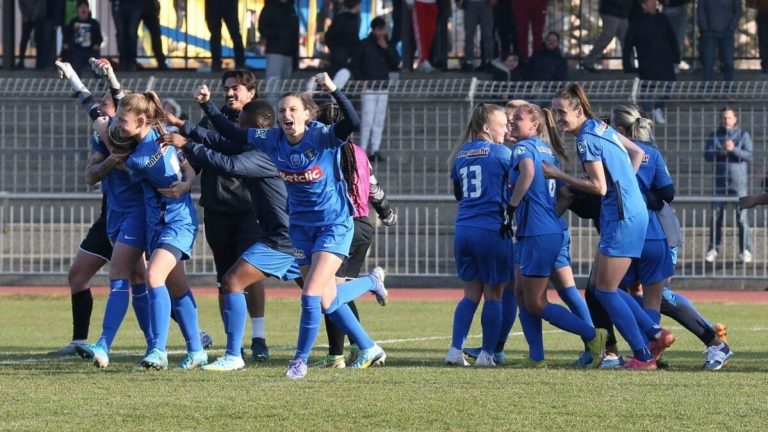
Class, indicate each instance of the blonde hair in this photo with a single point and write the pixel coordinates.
(636, 127)
(147, 104)
(546, 130)
(516, 103)
(474, 130)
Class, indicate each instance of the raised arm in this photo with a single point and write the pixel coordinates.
(219, 121)
(343, 129)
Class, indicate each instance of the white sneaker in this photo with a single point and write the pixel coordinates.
(425, 67)
(485, 359)
(711, 255)
(658, 116)
(455, 358)
(746, 257)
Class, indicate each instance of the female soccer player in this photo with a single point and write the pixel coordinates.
(171, 224)
(610, 162)
(482, 252)
(540, 232)
(320, 213)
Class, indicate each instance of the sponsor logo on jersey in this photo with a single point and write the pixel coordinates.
(581, 146)
(155, 157)
(260, 133)
(310, 154)
(481, 152)
(295, 160)
(309, 176)
(298, 254)
(545, 150)
(602, 127)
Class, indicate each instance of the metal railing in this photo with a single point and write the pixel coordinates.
(41, 233)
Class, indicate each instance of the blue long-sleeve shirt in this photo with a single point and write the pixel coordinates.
(718, 15)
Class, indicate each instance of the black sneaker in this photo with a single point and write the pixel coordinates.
(259, 350)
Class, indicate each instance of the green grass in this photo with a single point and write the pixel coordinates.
(413, 392)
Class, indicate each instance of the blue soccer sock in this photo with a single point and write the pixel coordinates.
(234, 312)
(563, 319)
(508, 314)
(140, 302)
(185, 309)
(351, 290)
(532, 330)
(571, 297)
(622, 318)
(346, 321)
(490, 319)
(462, 320)
(650, 330)
(654, 315)
(309, 324)
(159, 315)
(117, 306)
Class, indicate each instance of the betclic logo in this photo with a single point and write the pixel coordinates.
(310, 176)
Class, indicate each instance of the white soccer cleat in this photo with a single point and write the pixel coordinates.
(485, 359)
(455, 358)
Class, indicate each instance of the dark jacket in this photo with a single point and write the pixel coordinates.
(375, 62)
(730, 167)
(656, 44)
(718, 16)
(499, 72)
(82, 34)
(343, 40)
(616, 8)
(546, 65)
(219, 192)
(279, 26)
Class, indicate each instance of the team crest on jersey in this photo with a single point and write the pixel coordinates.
(325, 129)
(261, 133)
(298, 253)
(520, 150)
(581, 146)
(295, 160)
(645, 158)
(310, 154)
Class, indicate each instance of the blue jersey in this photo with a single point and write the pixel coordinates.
(159, 167)
(481, 168)
(599, 142)
(311, 170)
(537, 212)
(653, 174)
(122, 193)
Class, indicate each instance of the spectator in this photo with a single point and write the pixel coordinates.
(114, 7)
(129, 14)
(730, 148)
(343, 37)
(441, 44)
(226, 10)
(654, 40)
(677, 12)
(547, 63)
(717, 26)
(762, 30)
(279, 28)
(504, 23)
(376, 59)
(529, 15)
(478, 12)
(82, 38)
(150, 16)
(615, 17)
(424, 26)
(508, 69)
(180, 6)
(32, 19)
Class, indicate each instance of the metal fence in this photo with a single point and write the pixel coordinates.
(41, 233)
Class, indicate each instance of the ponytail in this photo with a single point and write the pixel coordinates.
(577, 98)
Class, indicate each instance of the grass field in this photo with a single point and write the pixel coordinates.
(413, 392)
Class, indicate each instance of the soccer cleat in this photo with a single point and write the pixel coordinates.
(297, 369)
(331, 362)
(584, 360)
(639, 365)
(69, 349)
(206, 340)
(354, 351)
(485, 359)
(193, 359)
(455, 358)
(657, 347)
(717, 356)
(373, 356)
(96, 352)
(711, 255)
(156, 359)
(378, 274)
(722, 332)
(472, 352)
(259, 350)
(225, 364)
(597, 346)
(498, 357)
(64, 70)
(612, 361)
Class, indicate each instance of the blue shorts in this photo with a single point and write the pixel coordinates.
(564, 257)
(624, 238)
(654, 265)
(537, 255)
(128, 227)
(272, 262)
(181, 237)
(481, 255)
(334, 238)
